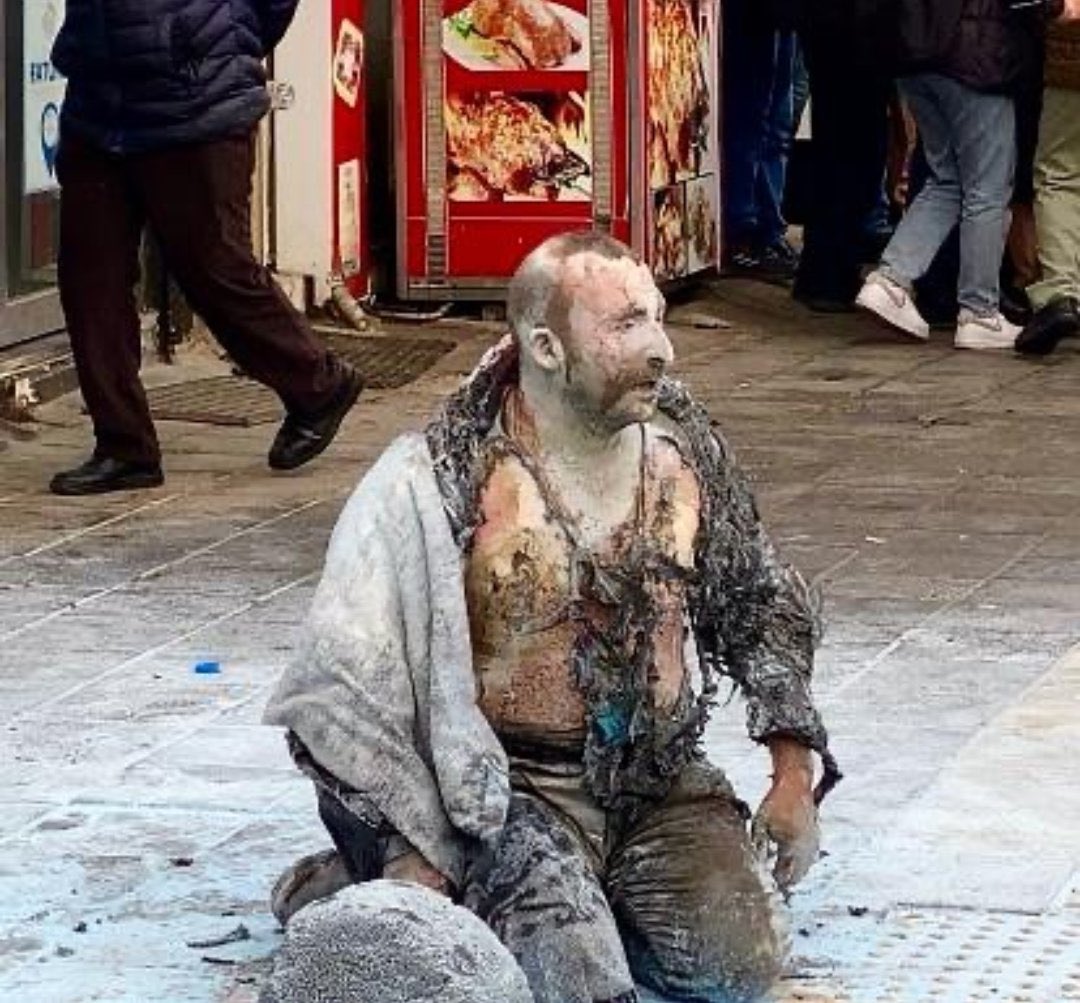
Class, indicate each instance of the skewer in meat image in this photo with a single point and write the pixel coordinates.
(669, 233)
(517, 146)
(517, 34)
(679, 99)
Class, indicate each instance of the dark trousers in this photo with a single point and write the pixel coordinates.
(849, 127)
(197, 201)
(758, 128)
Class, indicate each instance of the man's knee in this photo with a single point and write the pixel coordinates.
(729, 966)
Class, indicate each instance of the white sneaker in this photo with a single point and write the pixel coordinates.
(992, 331)
(893, 304)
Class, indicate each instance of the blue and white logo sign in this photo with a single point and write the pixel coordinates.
(43, 94)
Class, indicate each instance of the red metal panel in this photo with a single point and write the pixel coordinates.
(347, 59)
(493, 217)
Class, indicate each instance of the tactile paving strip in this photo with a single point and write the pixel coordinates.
(386, 363)
(939, 956)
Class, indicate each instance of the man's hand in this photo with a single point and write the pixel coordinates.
(787, 823)
(413, 866)
(1071, 11)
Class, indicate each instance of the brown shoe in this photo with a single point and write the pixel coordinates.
(316, 876)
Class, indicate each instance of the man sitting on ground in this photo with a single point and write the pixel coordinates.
(524, 620)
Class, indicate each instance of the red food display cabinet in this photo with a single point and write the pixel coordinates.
(519, 119)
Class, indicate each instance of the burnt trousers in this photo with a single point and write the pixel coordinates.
(669, 895)
(196, 200)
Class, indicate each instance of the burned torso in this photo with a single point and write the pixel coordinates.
(581, 652)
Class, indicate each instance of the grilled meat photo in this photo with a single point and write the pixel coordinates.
(509, 145)
(532, 29)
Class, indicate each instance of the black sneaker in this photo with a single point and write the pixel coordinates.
(1015, 306)
(102, 474)
(778, 262)
(302, 437)
(744, 258)
(1060, 318)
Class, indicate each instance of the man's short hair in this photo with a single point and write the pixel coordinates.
(534, 297)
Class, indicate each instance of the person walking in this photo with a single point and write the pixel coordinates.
(962, 58)
(1055, 298)
(158, 130)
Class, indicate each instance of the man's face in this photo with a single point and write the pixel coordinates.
(614, 339)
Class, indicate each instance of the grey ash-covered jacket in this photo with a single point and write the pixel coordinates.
(382, 692)
(149, 74)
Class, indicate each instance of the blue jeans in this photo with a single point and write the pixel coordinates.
(759, 127)
(969, 142)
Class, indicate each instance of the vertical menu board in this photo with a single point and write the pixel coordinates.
(517, 110)
(509, 125)
(682, 134)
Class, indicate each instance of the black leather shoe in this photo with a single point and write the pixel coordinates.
(1060, 318)
(101, 474)
(303, 437)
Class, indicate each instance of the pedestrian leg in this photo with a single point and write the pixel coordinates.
(198, 202)
(100, 229)
(1057, 200)
(936, 209)
(986, 155)
(749, 68)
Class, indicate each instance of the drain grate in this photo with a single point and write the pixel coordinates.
(389, 362)
(943, 956)
(386, 362)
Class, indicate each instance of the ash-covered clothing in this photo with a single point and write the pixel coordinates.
(751, 617)
(668, 895)
(579, 647)
(381, 689)
(591, 903)
(602, 849)
(383, 692)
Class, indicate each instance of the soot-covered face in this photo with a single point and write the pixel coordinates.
(609, 320)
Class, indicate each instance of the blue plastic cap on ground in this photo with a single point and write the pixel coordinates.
(207, 668)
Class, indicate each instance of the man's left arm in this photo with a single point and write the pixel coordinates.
(776, 682)
(770, 633)
(275, 16)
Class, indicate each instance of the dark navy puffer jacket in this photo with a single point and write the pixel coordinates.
(149, 74)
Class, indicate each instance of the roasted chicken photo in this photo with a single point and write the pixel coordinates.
(505, 145)
(534, 33)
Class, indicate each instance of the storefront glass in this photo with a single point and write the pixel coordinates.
(31, 97)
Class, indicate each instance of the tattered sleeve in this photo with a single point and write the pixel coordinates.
(759, 617)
